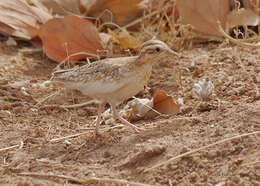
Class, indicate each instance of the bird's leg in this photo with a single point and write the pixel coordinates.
(125, 122)
(101, 108)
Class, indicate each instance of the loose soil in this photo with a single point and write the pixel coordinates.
(119, 155)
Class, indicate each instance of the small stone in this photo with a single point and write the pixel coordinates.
(235, 179)
(205, 107)
(194, 176)
(212, 154)
(184, 149)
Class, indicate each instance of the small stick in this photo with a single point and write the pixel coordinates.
(147, 106)
(82, 133)
(252, 163)
(12, 147)
(8, 148)
(69, 178)
(78, 105)
(87, 181)
(235, 40)
(75, 54)
(199, 149)
(70, 136)
(125, 182)
(46, 98)
(141, 19)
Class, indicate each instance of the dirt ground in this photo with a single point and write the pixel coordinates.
(120, 156)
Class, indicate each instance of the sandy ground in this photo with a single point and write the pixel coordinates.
(172, 150)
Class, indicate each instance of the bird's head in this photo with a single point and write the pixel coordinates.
(153, 50)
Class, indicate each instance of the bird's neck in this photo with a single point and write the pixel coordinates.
(143, 59)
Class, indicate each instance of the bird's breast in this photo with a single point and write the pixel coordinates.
(116, 90)
(132, 84)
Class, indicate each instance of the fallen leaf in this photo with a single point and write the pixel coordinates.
(60, 7)
(19, 19)
(161, 103)
(164, 103)
(140, 107)
(204, 14)
(69, 35)
(123, 11)
(125, 40)
(203, 89)
(242, 17)
(251, 4)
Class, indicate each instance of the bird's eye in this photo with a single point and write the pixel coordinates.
(158, 49)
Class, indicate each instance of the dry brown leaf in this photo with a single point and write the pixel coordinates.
(125, 40)
(69, 35)
(20, 19)
(164, 103)
(160, 104)
(140, 107)
(252, 4)
(61, 7)
(123, 11)
(204, 14)
(242, 17)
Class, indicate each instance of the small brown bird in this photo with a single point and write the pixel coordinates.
(114, 80)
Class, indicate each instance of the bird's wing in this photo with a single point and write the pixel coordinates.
(105, 70)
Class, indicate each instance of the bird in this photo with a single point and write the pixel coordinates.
(114, 80)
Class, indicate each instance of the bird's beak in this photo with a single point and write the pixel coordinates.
(170, 51)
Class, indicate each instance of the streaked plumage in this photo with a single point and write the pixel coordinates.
(114, 80)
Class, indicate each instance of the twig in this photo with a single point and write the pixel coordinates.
(252, 163)
(69, 178)
(12, 147)
(76, 180)
(125, 182)
(70, 136)
(75, 54)
(199, 149)
(83, 133)
(27, 51)
(112, 24)
(79, 105)
(46, 98)
(147, 106)
(235, 40)
(141, 19)
(8, 148)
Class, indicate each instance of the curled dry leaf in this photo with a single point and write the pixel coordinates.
(164, 103)
(242, 17)
(203, 89)
(161, 103)
(63, 37)
(252, 4)
(204, 14)
(140, 107)
(123, 12)
(60, 7)
(20, 19)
